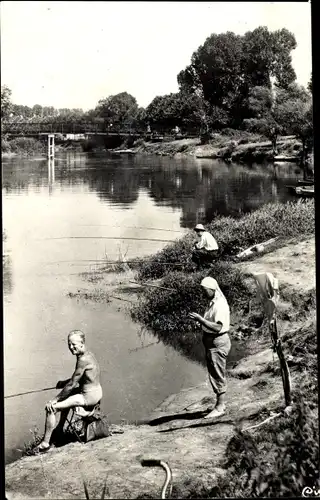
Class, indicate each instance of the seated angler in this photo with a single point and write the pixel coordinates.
(82, 389)
(205, 249)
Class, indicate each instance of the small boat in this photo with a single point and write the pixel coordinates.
(306, 183)
(282, 158)
(306, 191)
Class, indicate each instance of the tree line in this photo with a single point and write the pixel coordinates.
(233, 81)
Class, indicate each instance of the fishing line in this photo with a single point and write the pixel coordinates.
(102, 238)
(132, 227)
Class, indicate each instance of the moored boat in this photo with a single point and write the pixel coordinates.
(306, 191)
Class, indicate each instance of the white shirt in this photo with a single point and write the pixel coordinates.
(218, 311)
(207, 242)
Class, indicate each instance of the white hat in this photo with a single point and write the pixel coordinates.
(209, 282)
(199, 227)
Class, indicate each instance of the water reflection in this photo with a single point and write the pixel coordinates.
(200, 188)
(51, 174)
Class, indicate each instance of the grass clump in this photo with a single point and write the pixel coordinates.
(233, 235)
(97, 295)
(29, 446)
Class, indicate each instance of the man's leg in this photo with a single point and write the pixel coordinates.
(72, 401)
(198, 256)
(216, 363)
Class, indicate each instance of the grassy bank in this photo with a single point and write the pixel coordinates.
(22, 146)
(272, 220)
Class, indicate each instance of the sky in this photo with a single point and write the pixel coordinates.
(71, 54)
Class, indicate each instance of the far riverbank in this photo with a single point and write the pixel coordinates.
(230, 146)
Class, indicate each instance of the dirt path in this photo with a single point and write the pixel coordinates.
(293, 264)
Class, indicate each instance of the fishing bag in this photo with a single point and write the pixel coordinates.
(97, 429)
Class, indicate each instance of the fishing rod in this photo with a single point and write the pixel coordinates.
(154, 286)
(29, 392)
(133, 261)
(104, 238)
(133, 227)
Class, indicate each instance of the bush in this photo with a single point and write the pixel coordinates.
(271, 220)
(5, 144)
(26, 145)
(166, 312)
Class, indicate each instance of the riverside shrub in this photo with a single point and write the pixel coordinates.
(26, 145)
(166, 312)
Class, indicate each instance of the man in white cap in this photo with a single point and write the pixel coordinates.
(215, 326)
(205, 248)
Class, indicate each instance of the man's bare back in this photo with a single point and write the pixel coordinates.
(91, 374)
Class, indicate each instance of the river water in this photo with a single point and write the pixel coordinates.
(58, 219)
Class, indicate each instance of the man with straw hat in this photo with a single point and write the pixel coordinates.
(215, 326)
(204, 249)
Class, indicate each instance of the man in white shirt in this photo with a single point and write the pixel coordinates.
(205, 248)
(215, 327)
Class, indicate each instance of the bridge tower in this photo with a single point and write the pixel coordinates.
(50, 146)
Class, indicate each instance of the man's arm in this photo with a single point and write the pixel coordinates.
(74, 381)
(201, 243)
(215, 327)
(62, 383)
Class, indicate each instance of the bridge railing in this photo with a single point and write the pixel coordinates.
(36, 128)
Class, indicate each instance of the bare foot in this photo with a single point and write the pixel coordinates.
(216, 412)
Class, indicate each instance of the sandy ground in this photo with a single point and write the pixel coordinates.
(293, 264)
(176, 433)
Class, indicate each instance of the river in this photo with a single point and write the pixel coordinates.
(58, 219)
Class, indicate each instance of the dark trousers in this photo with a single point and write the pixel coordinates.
(202, 256)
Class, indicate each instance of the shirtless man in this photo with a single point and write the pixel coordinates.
(82, 389)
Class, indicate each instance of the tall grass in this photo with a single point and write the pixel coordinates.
(271, 220)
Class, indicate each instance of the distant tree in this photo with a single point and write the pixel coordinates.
(140, 121)
(37, 110)
(22, 111)
(297, 116)
(309, 86)
(119, 110)
(6, 104)
(288, 111)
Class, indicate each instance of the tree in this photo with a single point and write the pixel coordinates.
(6, 104)
(37, 110)
(119, 110)
(182, 109)
(309, 86)
(227, 66)
(215, 68)
(288, 111)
